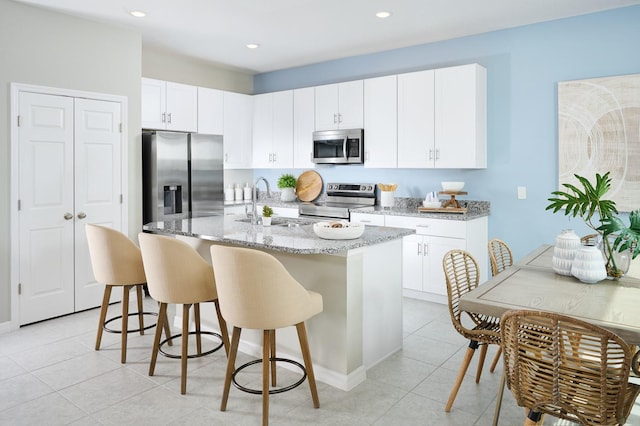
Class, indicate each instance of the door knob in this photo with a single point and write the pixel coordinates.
(81, 215)
(68, 216)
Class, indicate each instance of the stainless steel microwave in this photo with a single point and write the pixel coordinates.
(344, 146)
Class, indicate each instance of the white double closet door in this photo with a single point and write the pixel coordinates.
(69, 174)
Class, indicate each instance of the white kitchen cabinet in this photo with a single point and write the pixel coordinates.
(238, 117)
(303, 127)
(367, 218)
(442, 118)
(381, 122)
(461, 117)
(169, 106)
(340, 106)
(273, 130)
(210, 111)
(416, 119)
(423, 275)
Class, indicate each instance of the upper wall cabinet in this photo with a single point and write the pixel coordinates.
(303, 127)
(210, 111)
(238, 117)
(461, 117)
(169, 106)
(340, 106)
(273, 130)
(381, 122)
(442, 118)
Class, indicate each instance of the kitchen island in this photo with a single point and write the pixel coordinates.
(360, 281)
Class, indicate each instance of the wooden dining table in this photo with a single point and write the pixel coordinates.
(532, 284)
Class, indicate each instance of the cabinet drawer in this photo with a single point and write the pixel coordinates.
(368, 219)
(428, 226)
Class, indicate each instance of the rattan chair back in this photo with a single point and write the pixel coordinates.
(567, 368)
(500, 256)
(462, 275)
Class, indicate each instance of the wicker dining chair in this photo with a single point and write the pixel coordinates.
(501, 258)
(566, 368)
(462, 275)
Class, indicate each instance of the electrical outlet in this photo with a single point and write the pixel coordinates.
(522, 192)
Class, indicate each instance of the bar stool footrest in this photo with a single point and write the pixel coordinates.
(210, 333)
(271, 391)
(111, 330)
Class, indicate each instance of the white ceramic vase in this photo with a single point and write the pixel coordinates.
(564, 251)
(266, 221)
(288, 194)
(588, 265)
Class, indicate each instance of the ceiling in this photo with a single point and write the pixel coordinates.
(301, 32)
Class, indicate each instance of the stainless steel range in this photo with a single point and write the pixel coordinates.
(341, 197)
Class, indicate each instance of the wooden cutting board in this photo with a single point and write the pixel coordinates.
(309, 186)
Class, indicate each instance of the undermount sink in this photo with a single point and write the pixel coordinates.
(281, 221)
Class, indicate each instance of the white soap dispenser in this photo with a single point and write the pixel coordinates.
(247, 191)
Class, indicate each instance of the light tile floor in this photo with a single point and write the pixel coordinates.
(50, 374)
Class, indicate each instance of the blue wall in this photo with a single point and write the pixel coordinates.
(524, 65)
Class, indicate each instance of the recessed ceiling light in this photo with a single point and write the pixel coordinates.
(253, 45)
(383, 14)
(138, 13)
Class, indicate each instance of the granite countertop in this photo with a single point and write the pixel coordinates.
(296, 236)
(402, 207)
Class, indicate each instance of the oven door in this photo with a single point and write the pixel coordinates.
(338, 147)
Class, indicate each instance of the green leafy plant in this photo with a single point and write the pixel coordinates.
(287, 181)
(267, 211)
(588, 203)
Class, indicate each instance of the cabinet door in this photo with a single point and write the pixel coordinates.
(412, 260)
(263, 131)
(351, 105)
(433, 280)
(283, 129)
(460, 117)
(182, 107)
(416, 120)
(238, 111)
(326, 107)
(153, 99)
(210, 111)
(303, 127)
(381, 122)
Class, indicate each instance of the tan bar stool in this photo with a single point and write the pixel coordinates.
(257, 292)
(177, 274)
(116, 262)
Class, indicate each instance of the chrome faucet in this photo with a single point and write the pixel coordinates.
(254, 199)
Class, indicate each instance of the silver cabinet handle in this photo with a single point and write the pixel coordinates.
(68, 216)
(164, 117)
(425, 250)
(169, 117)
(430, 154)
(81, 215)
(226, 158)
(274, 157)
(437, 153)
(419, 251)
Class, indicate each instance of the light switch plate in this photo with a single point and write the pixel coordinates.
(522, 192)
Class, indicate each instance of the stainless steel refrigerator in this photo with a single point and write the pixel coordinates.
(182, 175)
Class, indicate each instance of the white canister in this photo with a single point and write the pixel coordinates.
(238, 193)
(248, 193)
(229, 193)
(387, 198)
(565, 249)
(588, 265)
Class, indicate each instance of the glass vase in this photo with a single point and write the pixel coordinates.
(617, 263)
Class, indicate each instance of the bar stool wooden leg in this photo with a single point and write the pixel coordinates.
(266, 340)
(231, 366)
(140, 314)
(103, 314)
(165, 322)
(272, 345)
(162, 317)
(308, 365)
(483, 356)
(185, 348)
(223, 327)
(196, 318)
(473, 345)
(125, 323)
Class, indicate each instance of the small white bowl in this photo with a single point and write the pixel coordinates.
(452, 186)
(431, 204)
(346, 231)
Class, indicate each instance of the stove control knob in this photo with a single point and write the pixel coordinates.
(369, 188)
(329, 186)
